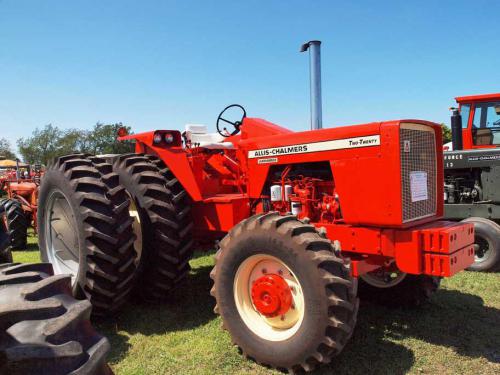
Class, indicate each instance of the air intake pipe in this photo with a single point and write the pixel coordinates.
(456, 129)
(314, 47)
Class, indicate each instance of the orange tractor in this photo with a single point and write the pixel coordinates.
(20, 207)
(298, 219)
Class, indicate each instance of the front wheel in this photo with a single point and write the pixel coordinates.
(5, 253)
(394, 288)
(284, 296)
(16, 222)
(486, 244)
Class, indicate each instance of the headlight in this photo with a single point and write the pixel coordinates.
(169, 138)
(157, 138)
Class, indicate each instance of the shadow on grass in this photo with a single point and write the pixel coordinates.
(190, 306)
(453, 319)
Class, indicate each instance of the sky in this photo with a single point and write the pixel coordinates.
(162, 64)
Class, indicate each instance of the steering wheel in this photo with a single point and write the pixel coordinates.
(236, 124)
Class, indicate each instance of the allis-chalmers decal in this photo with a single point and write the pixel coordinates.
(338, 144)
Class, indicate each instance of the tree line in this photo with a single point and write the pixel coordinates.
(49, 142)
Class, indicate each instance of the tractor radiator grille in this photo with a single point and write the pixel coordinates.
(418, 171)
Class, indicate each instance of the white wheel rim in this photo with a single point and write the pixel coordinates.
(61, 235)
(383, 279)
(278, 328)
(137, 229)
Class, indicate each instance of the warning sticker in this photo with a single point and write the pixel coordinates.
(418, 186)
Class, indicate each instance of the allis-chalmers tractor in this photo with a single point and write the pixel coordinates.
(299, 218)
(472, 174)
(20, 206)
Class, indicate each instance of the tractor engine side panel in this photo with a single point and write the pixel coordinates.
(370, 178)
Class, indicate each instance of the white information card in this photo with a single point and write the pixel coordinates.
(418, 186)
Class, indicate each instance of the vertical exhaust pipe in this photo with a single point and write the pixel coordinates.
(314, 47)
(456, 129)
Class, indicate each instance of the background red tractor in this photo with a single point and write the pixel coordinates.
(297, 217)
(472, 174)
(20, 205)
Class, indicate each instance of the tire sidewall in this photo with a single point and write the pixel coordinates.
(55, 180)
(134, 192)
(311, 330)
(491, 234)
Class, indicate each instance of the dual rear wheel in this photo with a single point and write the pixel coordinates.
(117, 225)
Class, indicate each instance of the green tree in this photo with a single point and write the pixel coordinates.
(74, 141)
(102, 139)
(51, 142)
(42, 146)
(6, 150)
(446, 133)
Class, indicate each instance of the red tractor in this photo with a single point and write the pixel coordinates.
(20, 206)
(472, 174)
(298, 219)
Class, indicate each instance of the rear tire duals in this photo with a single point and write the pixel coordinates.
(411, 291)
(17, 222)
(43, 330)
(88, 199)
(163, 208)
(487, 246)
(329, 305)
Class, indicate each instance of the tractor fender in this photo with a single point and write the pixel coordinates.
(176, 160)
(174, 157)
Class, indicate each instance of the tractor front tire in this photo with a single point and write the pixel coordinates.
(16, 222)
(260, 255)
(43, 330)
(487, 244)
(412, 291)
(5, 253)
(163, 223)
(85, 230)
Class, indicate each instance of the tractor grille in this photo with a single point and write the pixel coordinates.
(418, 171)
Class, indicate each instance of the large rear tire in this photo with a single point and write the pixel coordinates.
(400, 290)
(43, 330)
(163, 223)
(270, 258)
(85, 230)
(487, 244)
(16, 221)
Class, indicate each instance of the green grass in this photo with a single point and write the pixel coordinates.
(457, 333)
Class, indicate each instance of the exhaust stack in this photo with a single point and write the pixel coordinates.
(314, 47)
(456, 129)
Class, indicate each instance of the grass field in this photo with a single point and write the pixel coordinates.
(457, 333)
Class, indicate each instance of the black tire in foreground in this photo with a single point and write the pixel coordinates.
(487, 244)
(43, 330)
(411, 291)
(5, 254)
(324, 307)
(85, 230)
(161, 208)
(16, 221)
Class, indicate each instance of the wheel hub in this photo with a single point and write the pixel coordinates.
(271, 295)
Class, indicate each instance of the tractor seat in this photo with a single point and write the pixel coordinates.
(483, 137)
(198, 136)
